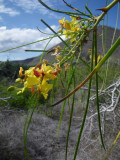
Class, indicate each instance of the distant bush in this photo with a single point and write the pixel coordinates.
(9, 70)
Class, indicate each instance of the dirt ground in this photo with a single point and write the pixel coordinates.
(43, 143)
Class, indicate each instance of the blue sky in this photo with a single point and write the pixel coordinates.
(19, 20)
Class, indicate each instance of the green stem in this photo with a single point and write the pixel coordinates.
(108, 54)
(95, 25)
(54, 32)
(75, 9)
(97, 98)
(86, 109)
(27, 50)
(116, 23)
(56, 10)
(72, 49)
(112, 4)
(71, 74)
(70, 121)
(97, 67)
(118, 135)
(25, 44)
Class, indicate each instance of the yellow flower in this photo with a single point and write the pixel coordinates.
(75, 29)
(72, 29)
(66, 33)
(44, 88)
(99, 57)
(65, 24)
(69, 34)
(29, 71)
(73, 18)
(47, 72)
(36, 79)
(59, 58)
(31, 81)
(57, 49)
(62, 21)
(89, 50)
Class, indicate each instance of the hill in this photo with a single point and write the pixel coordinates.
(105, 43)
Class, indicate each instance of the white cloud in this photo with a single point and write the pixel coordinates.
(54, 27)
(30, 6)
(2, 28)
(16, 36)
(9, 11)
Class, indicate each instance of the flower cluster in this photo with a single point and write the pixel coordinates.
(99, 57)
(71, 29)
(37, 79)
(57, 53)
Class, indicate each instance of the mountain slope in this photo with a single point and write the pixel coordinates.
(106, 42)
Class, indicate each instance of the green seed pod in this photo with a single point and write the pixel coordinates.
(18, 80)
(11, 88)
(19, 93)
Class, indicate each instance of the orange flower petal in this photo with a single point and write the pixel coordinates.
(20, 72)
(36, 73)
(32, 90)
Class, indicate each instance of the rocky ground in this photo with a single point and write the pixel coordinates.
(43, 143)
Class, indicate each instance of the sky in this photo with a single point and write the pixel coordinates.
(20, 20)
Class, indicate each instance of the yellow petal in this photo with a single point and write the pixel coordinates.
(66, 25)
(62, 21)
(44, 88)
(29, 71)
(32, 81)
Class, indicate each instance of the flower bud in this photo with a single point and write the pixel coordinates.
(18, 80)
(11, 88)
(19, 93)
